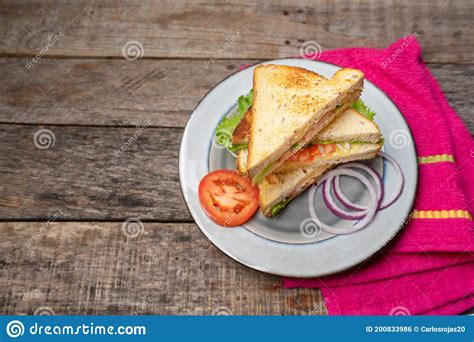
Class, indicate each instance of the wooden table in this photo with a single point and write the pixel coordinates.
(63, 207)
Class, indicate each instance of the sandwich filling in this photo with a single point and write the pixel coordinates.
(322, 152)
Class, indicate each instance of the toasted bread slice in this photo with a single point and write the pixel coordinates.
(285, 185)
(242, 131)
(351, 126)
(288, 103)
(241, 161)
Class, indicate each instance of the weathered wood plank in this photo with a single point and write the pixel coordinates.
(94, 268)
(91, 173)
(105, 92)
(233, 29)
(161, 92)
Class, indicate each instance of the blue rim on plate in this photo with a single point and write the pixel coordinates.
(293, 259)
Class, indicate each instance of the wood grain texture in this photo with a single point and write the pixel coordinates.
(117, 125)
(161, 92)
(91, 173)
(106, 92)
(94, 268)
(233, 29)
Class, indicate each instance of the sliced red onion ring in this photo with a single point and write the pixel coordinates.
(342, 198)
(372, 208)
(382, 205)
(334, 208)
(400, 184)
(335, 181)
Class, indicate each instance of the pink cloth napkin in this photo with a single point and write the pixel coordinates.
(429, 268)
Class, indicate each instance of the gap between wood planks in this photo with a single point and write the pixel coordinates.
(191, 58)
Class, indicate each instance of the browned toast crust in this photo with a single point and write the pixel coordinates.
(241, 133)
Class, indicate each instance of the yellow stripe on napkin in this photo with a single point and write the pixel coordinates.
(441, 214)
(438, 158)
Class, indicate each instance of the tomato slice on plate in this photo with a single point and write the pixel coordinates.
(227, 198)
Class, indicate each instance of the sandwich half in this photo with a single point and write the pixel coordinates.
(291, 106)
(351, 136)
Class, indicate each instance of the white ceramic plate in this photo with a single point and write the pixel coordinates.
(288, 245)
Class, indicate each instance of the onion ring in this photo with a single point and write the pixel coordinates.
(399, 190)
(334, 208)
(344, 200)
(382, 204)
(372, 208)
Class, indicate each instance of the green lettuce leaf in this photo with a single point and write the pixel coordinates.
(362, 108)
(227, 126)
(279, 207)
(245, 102)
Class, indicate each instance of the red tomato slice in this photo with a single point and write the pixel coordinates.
(227, 198)
(314, 150)
(306, 154)
(303, 155)
(329, 148)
